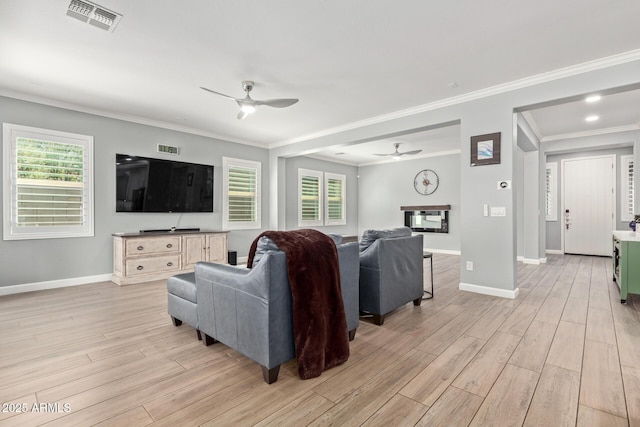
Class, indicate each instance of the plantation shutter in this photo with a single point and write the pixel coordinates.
(335, 198)
(310, 188)
(242, 189)
(548, 192)
(241, 194)
(49, 183)
(628, 195)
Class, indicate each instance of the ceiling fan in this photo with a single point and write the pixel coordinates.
(396, 154)
(248, 105)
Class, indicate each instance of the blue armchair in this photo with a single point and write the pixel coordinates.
(250, 310)
(391, 272)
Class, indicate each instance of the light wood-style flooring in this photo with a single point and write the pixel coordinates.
(564, 353)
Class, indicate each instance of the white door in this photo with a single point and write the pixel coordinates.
(588, 205)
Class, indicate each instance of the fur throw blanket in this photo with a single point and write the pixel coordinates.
(319, 323)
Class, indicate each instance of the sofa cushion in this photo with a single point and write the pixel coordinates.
(183, 286)
(370, 236)
(337, 238)
(264, 245)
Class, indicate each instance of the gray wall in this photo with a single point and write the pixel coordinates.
(291, 192)
(385, 187)
(554, 228)
(32, 261)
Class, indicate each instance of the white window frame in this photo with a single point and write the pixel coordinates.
(626, 187)
(337, 177)
(314, 174)
(11, 231)
(227, 163)
(551, 191)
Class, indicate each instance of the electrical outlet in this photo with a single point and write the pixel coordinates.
(469, 265)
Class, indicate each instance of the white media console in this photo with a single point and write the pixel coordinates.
(147, 256)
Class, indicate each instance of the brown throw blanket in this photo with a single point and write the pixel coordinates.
(319, 322)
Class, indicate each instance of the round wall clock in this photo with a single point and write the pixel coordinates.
(426, 182)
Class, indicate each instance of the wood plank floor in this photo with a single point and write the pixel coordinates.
(565, 352)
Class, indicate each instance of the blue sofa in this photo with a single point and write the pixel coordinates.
(391, 271)
(250, 310)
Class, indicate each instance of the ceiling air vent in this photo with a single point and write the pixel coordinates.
(93, 14)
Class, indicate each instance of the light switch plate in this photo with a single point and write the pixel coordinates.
(498, 211)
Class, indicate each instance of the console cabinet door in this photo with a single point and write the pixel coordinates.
(217, 248)
(193, 250)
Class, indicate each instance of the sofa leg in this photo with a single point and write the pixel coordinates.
(199, 334)
(378, 319)
(270, 375)
(176, 322)
(207, 340)
(417, 301)
(352, 334)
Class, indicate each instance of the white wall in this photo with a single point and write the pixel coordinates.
(291, 192)
(32, 261)
(489, 242)
(554, 229)
(385, 187)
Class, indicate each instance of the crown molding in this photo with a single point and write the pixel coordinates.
(119, 116)
(570, 71)
(593, 132)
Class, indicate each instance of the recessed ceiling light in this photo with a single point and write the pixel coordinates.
(591, 118)
(593, 98)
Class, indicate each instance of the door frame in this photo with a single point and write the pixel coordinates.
(614, 172)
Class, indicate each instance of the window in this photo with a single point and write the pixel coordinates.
(335, 200)
(626, 194)
(48, 183)
(551, 186)
(309, 200)
(321, 198)
(241, 194)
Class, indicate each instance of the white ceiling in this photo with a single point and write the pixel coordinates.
(347, 61)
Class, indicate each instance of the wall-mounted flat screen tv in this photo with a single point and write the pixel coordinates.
(145, 184)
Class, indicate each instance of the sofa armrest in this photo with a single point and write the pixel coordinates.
(349, 260)
(248, 309)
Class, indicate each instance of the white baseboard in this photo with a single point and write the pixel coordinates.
(502, 293)
(554, 251)
(530, 261)
(53, 284)
(442, 251)
(520, 258)
(242, 260)
(543, 260)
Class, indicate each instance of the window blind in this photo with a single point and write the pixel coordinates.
(310, 198)
(334, 199)
(629, 190)
(50, 189)
(242, 204)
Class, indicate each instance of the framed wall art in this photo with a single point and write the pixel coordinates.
(485, 149)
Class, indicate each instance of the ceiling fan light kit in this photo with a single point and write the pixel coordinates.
(248, 105)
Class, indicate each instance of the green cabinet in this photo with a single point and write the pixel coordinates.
(626, 263)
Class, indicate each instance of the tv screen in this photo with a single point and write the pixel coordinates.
(145, 184)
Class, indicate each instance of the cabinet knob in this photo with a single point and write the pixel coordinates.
(140, 248)
(140, 267)
(169, 264)
(169, 245)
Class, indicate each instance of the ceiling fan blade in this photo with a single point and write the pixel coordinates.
(388, 154)
(410, 152)
(218, 93)
(242, 115)
(277, 103)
